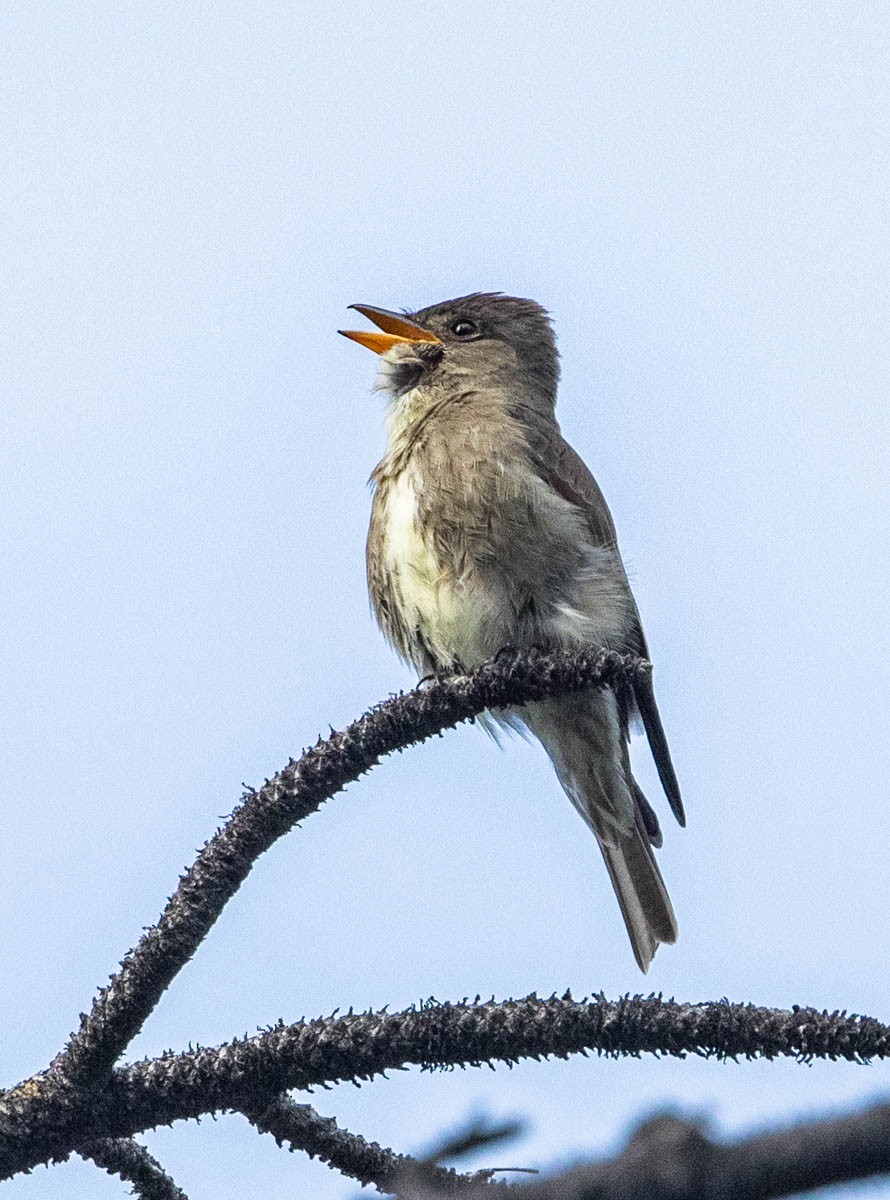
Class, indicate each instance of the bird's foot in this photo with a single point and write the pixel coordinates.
(443, 673)
(508, 653)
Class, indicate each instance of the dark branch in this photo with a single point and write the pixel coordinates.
(671, 1159)
(45, 1117)
(360, 1046)
(122, 1007)
(479, 1132)
(82, 1103)
(134, 1164)
(301, 1128)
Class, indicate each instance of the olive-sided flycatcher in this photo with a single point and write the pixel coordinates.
(488, 531)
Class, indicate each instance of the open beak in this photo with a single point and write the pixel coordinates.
(397, 330)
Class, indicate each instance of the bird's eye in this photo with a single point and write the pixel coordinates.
(464, 328)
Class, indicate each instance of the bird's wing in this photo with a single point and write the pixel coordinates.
(565, 471)
(559, 466)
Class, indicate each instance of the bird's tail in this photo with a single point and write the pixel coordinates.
(583, 736)
(642, 895)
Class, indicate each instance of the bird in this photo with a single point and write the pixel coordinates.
(489, 532)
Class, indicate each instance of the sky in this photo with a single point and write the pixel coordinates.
(191, 197)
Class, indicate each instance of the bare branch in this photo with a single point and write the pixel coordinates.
(360, 1046)
(134, 1164)
(46, 1117)
(301, 1127)
(81, 1103)
(122, 1007)
(478, 1132)
(672, 1159)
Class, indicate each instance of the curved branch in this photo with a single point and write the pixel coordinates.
(263, 816)
(133, 1163)
(82, 1103)
(46, 1117)
(304, 1129)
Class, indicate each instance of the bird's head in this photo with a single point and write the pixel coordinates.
(486, 340)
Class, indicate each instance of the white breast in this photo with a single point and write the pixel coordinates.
(460, 617)
(406, 552)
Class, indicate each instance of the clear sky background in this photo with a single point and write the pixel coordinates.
(193, 194)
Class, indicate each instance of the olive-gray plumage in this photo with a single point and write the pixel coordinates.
(487, 531)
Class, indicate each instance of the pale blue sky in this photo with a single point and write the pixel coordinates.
(192, 196)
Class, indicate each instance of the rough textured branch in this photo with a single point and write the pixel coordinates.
(360, 1046)
(46, 1117)
(134, 1164)
(83, 1104)
(302, 1128)
(122, 1007)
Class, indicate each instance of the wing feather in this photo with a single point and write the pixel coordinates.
(566, 472)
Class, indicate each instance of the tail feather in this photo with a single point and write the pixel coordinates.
(642, 895)
(585, 742)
